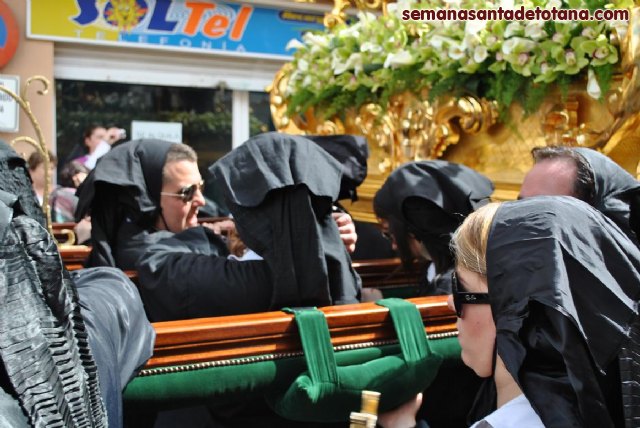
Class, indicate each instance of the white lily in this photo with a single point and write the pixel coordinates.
(593, 88)
(398, 59)
(517, 45)
(294, 44)
(370, 47)
(480, 53)
(534, 30)
(513, 29)
(553, 3)
(303, 66)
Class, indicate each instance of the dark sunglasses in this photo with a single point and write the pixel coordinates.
(186, 193)
(462, 297)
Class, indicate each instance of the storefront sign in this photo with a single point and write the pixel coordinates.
(209, 26)
(169, 131)
(9, 110)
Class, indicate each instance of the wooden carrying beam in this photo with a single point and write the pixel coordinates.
(223, 338)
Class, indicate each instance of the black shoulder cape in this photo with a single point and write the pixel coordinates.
(564, 284)
(280, 189)
(617, 193)
(125, 185)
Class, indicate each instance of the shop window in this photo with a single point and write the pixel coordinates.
(205, 115)
(260, 118)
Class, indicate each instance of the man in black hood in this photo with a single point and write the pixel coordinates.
(589, 176)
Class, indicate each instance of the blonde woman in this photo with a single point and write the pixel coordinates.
(546, 293)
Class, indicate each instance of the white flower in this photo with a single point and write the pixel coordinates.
(303, 66)
(480, 54)
(319, 40)
(399, 58)
(370, 47)
(474, 27)
(513, 29)
(593, 88)
(589, 33)
(506, 4)
(553, 3)
(517, 45)
(456, 51)
(570, 57)
(294, 44)
(534, 30)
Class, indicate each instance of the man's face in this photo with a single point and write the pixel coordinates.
(550, 177)
(180, 215)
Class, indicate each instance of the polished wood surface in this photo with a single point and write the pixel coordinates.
(221, 338)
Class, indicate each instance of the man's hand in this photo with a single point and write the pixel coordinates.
(347, 230)
(221, 227)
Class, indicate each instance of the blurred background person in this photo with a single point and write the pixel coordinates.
(38, 173)
(94, 145)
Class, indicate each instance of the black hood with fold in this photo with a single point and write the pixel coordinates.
(280, 189)
(430, 199)
(352, 152)
(617, 193)
(564, 284)
(124, 186)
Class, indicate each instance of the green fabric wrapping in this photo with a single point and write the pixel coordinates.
(329, 393)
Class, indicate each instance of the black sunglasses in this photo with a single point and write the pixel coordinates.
(186, 193)
(462, 297)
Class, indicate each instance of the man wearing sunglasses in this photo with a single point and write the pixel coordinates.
(146, 194)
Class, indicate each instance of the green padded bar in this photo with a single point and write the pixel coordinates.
(236, 382)
(328, 393)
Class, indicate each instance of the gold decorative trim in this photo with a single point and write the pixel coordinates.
(39, 144)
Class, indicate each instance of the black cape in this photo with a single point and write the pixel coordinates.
(69, 344)
(564, 284)
(617, 193)
(280, 189)
(124, 187)
(430, 199)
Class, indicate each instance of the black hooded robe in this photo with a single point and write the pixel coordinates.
(280, 189)
(617, 193)
(430, 199)
(564, 283)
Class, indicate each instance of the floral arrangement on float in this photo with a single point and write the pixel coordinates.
(481, 93)
(506, 61)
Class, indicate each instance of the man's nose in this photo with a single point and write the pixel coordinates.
(198, 198)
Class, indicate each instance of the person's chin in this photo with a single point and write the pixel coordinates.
(192, 222)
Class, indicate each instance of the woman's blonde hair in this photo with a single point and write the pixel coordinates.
(469, 241)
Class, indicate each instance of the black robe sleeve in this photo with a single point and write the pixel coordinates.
(189, 276)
